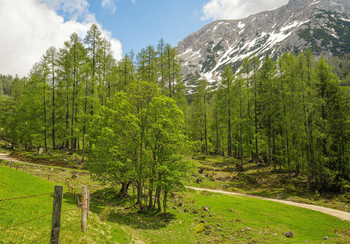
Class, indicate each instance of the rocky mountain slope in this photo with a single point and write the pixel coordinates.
(322, 25)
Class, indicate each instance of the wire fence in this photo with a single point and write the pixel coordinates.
(83, 205)
(45, 172)
(16, 198)
(24, 222)
(45, 235)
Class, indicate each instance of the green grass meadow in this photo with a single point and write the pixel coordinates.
(18, 184)
(211, 218)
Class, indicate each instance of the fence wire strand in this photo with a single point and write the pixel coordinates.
(45, 235)
(68, 226)
(41, 237)
(27, 221)
(16, 198)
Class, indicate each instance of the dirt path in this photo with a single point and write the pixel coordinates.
(337, 213)
(8, 158)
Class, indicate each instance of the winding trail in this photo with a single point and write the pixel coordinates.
(8, 158)
(334, 212)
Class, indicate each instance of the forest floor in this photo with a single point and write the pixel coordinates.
(260, 180)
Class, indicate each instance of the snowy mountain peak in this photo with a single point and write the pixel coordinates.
(322, 25)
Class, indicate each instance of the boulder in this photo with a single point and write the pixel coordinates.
(74, 175)
(205, 209)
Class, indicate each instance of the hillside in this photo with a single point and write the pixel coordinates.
(323, 26)
(194, 217)
(16, 212)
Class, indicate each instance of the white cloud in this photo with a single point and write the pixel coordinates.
(75, 8)
(133, 1)
(109, 4)
(28, 28)
(237, 9)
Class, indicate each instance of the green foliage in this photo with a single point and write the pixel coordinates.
(291, 113)
(139, 141)
(208, 64)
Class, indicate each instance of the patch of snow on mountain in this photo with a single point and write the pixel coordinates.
(240, 25)
(195, 54)
(188, 50)
(314, 3)
(217, 25)
(249, 44)
(208, 76)
(293, 25)
(277, 37)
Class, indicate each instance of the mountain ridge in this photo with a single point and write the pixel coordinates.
(323, 26)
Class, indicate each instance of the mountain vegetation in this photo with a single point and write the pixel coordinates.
(132, 122)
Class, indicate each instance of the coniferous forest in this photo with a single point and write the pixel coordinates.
(134, 124)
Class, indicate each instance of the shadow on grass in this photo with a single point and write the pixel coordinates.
(145, 221)
(68, 198)
(121, 211)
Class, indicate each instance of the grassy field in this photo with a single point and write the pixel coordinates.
(211, 218)
(17, 184)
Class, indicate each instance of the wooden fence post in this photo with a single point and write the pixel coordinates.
(56, 215)
(84, 209)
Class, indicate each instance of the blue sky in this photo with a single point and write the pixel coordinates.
(29, 27)
(144, 22)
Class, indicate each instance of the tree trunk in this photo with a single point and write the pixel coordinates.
(150, 195)
(124, 190)
(45, 119)
(139, 195)
(240, 124)
(205, 127)
(73, 102)
(165, 199)
(53, 108)
(256, 121)
(84, 123)
(217, 134)
(158, 192)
